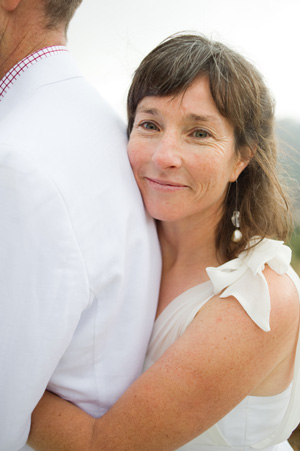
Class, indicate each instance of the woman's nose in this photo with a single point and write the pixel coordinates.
(167, 153)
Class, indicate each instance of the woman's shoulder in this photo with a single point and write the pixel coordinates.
(271, 259)
(284, 300)
(248, 279)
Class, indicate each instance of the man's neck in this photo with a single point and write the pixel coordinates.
(11, 54)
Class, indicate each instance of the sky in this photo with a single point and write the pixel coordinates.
(110, 38)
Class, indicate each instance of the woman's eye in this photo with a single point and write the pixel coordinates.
(149, 126)
(201, 134)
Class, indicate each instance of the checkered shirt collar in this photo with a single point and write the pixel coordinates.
(11, 76)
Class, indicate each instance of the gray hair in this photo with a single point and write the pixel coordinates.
(241, 95)
(59, 12)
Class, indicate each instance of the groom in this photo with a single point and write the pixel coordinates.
(79, 259)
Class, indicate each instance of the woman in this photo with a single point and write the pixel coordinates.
(223, 362)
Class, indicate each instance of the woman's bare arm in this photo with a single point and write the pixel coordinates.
(59, 425)
(221, 358)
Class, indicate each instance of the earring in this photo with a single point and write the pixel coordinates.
(235, 219)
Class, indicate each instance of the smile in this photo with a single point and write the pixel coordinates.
(164, 185)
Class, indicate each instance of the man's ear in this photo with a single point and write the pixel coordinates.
(10, 5)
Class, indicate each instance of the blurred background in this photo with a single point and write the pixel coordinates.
(110, 38)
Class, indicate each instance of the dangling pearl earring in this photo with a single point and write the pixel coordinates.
(235, 219)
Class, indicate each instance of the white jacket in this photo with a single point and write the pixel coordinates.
(79, 258)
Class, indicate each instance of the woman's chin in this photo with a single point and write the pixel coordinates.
(164, 214)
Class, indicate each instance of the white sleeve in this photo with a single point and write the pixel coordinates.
(43, 290)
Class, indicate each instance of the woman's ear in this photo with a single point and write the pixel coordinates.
(9, 5)
(243, 159)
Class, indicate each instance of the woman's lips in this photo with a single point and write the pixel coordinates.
(164, 185)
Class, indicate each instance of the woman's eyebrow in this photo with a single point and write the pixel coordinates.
(201, 118)
(193, 117)
(152, 111)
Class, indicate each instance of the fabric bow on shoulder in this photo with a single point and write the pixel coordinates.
(243, 277)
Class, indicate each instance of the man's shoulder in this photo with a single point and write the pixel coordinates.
(69, 108)
(52, 89)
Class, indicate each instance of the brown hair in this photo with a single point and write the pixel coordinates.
(60, 12)
(243, 98)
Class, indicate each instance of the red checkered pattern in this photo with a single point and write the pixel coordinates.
(8, 80)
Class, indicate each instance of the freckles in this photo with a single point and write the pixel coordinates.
(134, 163)
(134, 153)
(207, 168)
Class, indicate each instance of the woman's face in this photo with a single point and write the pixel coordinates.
(182, 153)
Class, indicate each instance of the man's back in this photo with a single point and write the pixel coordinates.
(85, 262)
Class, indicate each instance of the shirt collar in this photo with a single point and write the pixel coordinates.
(17, 70)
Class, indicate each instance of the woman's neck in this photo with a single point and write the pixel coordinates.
(188, 242)
(188, 248)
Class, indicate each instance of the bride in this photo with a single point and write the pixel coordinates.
(222, 369)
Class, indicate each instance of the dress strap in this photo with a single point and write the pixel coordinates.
(243, 278)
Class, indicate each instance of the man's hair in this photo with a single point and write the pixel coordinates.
(241, 96)
(59, 12)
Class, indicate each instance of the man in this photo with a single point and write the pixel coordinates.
(79, 260)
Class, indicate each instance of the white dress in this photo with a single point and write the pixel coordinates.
(257, 422)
